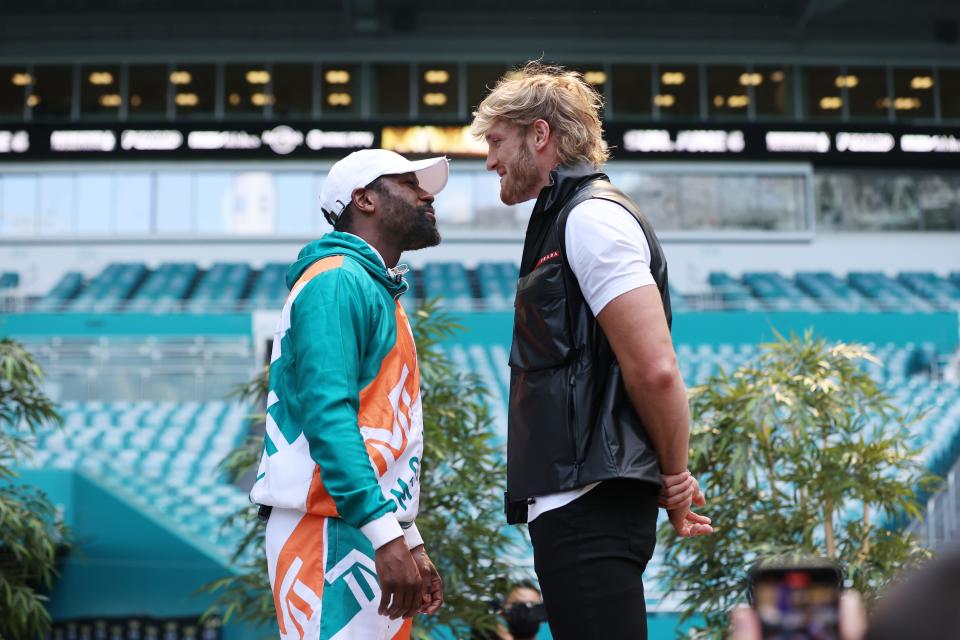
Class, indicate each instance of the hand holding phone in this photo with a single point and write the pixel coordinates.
(800, 602)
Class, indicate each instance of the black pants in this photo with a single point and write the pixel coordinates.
(590, 555)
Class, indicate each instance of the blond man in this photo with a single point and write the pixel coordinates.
(599, 425)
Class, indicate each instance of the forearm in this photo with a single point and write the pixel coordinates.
(662, 406)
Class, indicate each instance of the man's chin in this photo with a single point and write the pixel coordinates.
(424, 242)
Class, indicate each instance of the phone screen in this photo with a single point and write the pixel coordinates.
(797, 603)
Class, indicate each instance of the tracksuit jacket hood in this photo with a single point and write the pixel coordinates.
(337, 243)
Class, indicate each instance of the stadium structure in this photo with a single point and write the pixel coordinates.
(160, 164)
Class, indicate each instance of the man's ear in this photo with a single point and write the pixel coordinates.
(541, 134)
(364, 200)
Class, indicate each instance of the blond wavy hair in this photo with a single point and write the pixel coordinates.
(557, 95)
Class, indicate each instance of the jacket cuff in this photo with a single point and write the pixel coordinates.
(382, 530)
(412, 536)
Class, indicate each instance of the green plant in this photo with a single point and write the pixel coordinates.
(31, 532)
(800, 453)
(460, 500)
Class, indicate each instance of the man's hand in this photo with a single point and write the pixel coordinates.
(432, 582)
(689, 524)
(400, 582)
(680, 491)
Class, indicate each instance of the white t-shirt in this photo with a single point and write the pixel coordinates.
(609, 256)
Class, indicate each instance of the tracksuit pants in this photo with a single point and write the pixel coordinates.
(324, 580)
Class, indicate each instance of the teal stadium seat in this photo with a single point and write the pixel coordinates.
(165, 288)
(63, 292)
(931, 287)
(161, 456)
(269, 287)
(448, 281)
(776, 292)
(732, 293)
(111, 289)
(220, 288)
(886, 292)
(498, 283)
(831, 292)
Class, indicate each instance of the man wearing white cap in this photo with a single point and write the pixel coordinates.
(339, 474)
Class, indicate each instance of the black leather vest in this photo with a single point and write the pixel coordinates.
(571, 422)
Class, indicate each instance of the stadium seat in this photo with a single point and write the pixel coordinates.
(733, 293)
(65, 290)
(448, 281)
(886, 292)
(269, 287)
(498, 283)
(164, 289)
(220, 288)
(931, 287)
(111, 289)
(776, 292)
(161, 456)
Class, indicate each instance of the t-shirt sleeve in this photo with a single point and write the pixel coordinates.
(607, 251)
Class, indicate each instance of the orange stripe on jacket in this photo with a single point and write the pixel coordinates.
(375, 408)
(404, 632)
(304, 547)
(323, 264)
(319, 500)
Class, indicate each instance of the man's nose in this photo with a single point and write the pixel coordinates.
(427, 197)
(491, 161)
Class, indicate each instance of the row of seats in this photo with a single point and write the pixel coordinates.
(162, 456)
(237, 287)
(825, 291)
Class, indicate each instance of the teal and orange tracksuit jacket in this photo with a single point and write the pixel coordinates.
(344, 429)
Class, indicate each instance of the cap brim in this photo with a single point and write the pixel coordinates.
(432, 173)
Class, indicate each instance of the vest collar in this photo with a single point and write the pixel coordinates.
(564, 181)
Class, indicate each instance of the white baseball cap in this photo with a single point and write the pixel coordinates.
(360, 168)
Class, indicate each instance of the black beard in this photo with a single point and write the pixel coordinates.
(410, 226)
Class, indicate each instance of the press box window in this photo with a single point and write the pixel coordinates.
(913, 93)
(147, 91)
(867, 91)
(678, 95)
(292, 90)
(729, 89)
(481, 78)
(194, 89)
(438, 89)
(246, 89)
(52, 92)
(340, 89)
(15, 82)
(949, 93)
(773, 91)
(100, 90)
(391, 90)
(630, 85)
(824, 99)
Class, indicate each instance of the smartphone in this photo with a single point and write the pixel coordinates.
(797, 602)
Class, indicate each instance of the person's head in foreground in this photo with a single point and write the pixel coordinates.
(536, 118)
(385, 199)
